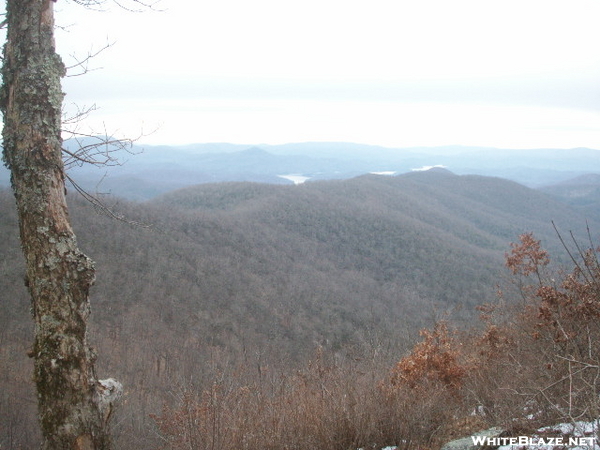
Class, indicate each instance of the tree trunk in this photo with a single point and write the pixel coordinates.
(73, 405)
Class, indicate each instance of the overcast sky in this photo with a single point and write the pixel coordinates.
(509, 73)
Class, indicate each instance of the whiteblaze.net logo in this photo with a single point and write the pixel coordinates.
(527, 440)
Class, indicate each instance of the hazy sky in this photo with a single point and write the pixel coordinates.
(506, 73)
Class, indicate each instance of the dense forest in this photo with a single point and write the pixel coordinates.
(261, 279)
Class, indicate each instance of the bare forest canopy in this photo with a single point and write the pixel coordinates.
(265, 274)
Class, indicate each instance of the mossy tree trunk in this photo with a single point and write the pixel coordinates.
(73, 406)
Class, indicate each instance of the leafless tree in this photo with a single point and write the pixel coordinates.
(74, 405)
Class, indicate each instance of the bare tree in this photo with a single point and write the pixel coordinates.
(74, 406)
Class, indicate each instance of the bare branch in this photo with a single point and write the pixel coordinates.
(89, 3)
(79, 116)
(102, 208)
(141, 5)
(144, 6)
(575, 262)
(92, 148)
(581, 363)
(97, 150)
(83, 64)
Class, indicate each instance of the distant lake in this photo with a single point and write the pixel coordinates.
(294, 178)
(385, 172)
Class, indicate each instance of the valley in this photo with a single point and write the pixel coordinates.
(261, 276)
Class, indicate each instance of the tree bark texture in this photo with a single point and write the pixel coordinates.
(72, 403)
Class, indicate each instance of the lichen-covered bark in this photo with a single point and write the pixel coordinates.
(71, 404)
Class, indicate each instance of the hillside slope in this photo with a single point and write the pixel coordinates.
(265, 274)
(582, 192)
(301, 260)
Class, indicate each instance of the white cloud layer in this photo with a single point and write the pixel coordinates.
(500, 73)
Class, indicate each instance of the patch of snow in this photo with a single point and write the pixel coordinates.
(585, 435)
(384, 448)
(110, 389)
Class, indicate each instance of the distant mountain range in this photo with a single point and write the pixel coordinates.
(153, 170)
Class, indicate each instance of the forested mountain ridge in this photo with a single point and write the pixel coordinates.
(424, 238)
(436, 197)
(582, 192)
(269, 272)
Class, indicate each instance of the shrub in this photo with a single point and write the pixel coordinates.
(541, 360)
(532, 363)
